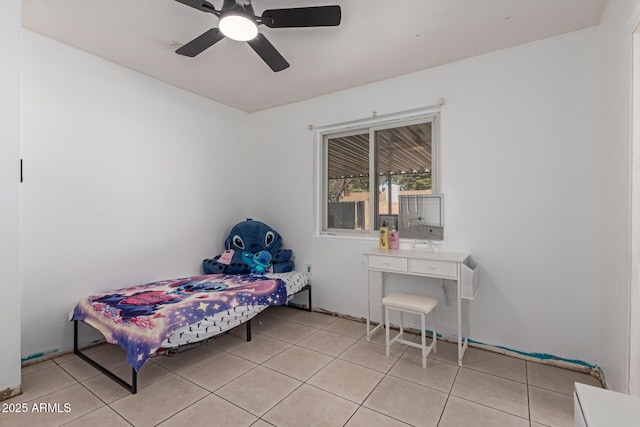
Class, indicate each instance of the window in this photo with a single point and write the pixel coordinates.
(368, 171)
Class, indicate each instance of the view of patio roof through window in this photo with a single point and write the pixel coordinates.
(401, 158)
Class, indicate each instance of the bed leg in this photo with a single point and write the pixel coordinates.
(133, 387)
(134, 380)
(75, 337)
(306, 288)
(249, 330)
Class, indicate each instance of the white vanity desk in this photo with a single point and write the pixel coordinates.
(414, 262)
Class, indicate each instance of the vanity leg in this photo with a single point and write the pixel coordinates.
(460, 336)
(370, 330)
(382, 296)
(368, 303)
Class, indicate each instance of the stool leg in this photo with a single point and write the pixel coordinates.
(401, 324)
(435, 333)
(386, 328)
(423, 334)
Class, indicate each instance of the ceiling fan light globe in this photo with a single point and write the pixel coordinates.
(238, 27)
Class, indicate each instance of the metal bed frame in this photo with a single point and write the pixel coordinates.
(132, 387)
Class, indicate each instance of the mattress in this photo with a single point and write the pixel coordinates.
(221, 322)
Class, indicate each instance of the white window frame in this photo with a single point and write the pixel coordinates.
(360, 126)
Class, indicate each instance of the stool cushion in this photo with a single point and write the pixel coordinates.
(413, 302)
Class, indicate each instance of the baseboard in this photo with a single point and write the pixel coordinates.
(32, 359)
(548, 359)
(10, 392)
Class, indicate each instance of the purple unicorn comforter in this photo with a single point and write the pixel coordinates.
(139, 318)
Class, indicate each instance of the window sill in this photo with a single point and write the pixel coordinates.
(405, 243)
(348, 236)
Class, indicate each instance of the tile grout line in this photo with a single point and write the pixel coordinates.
(526, 377)
(450, 389)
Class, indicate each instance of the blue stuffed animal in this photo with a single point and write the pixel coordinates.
(259, 263)
(248, 248)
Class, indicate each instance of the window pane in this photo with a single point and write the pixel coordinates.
(348, 182)
(370, 174)
(403, 167)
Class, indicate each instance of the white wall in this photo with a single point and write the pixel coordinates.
(127, 180)
(520, 173)
(617, 26)
(634, 295)
(9, 199)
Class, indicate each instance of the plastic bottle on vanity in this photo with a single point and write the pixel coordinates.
(384, 236)
(394, 239)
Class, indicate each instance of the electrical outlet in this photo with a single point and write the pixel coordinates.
(308, 269)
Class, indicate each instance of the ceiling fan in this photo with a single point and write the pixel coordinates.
(238, 21)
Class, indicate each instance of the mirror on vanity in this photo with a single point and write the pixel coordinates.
(421, 217)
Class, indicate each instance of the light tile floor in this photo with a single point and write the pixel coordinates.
(300, 369)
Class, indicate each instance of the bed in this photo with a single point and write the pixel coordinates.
(171, 314)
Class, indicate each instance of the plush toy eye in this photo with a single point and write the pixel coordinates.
(237, 240)
(269, 238)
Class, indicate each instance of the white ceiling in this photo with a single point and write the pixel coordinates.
(376, 40)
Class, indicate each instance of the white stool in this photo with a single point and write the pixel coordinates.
(415, 304)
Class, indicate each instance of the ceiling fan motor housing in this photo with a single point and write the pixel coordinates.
(238, 7)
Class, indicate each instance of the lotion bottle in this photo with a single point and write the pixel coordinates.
(394, 239)
(384, 236)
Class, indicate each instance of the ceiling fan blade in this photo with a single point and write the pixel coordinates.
(202, 5)
(268, 53)
(317, 16)
(200, 43)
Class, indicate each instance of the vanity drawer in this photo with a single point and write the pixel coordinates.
(438, 268)
(388, 263)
